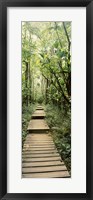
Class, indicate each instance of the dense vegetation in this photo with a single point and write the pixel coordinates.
(46, 78)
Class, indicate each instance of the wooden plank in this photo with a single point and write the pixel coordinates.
(40, 164)
(39, 138)
(60, 174)
(40, 155)
(38, 143)
(39, 148)
(41, 159)
(42, 144)
(43, 169)
(40, 135)
(42, 112)
(40, 152)
(34, 135)
(37, 125)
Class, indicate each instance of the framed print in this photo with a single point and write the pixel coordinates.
(46, 99)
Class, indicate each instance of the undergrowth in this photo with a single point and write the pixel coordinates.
(59, 122)
(26, 116)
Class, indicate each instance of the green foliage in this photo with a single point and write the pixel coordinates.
(26, 116)
(40, 99)
(46, 47)
(60, 123)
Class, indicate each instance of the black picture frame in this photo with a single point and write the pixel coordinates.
(3, 96)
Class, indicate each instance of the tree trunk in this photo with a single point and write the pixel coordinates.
(26, 83)
(29, 84)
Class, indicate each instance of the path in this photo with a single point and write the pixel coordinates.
(40, 156)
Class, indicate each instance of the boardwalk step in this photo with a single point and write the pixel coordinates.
(39, 152)
(43, 169)
(40, 146)
(39, 149)
(39, 114)
(37, 126)
(40, 158)
(59, 174)
(39, 108)
(40, 155)
(40, 164)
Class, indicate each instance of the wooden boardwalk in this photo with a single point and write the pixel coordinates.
(40, 158)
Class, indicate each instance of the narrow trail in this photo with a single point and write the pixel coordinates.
(40, 158)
